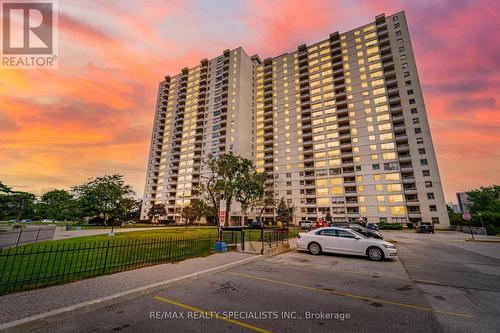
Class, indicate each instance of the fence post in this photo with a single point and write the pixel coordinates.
(242, 240)
(262, 241)
(105, 258)
(37, 234)
(19, 236)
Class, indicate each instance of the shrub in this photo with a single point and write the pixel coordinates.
(390, 226)
(409, 225)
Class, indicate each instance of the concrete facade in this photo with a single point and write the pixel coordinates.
(339, 126)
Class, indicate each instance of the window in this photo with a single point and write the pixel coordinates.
(415, 120)
(401, 49)
(421, 151)
(414, 111)
(396, 198)
(391, 166)
(288, 175)
(406, 74)
(418, 130)
(398, 33)
(301, 173)
(404, 65)
(430, 196)
(358, 167)
(392, 176)
(435, 220)
(426, 173)
(424, 162)
(408, 83)
(396, 26)
(302, 191)
(397, 210)
(395, 18)
(375, 166)
(412, 101)
(409, 91)
(328, 232)
(288, 183)
(402, 57)
(393, 187)
(420, 141)
(289, 192)
(428, 184)
(433, 208)
(346, 234)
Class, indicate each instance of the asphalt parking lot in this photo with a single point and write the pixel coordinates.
(438, 283)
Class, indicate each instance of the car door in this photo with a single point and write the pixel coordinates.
(349, 244)
(328, 239)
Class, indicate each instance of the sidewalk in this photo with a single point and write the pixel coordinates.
(36, 307)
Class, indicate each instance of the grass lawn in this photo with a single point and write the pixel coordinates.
(167, 232)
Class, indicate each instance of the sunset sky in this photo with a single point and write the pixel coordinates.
(94, 114)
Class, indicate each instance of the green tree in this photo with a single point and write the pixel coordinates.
(57, 205)
(103, 196)
(226, 178)
(16, 204)
(251, 192)
(329, 217)
(129, 210)
(156, 211)
(284, 212)
(485, 199)
(263, 203)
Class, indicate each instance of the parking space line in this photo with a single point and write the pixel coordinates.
(426, 281)
(213, 315)
(412, 266)
(339, 293)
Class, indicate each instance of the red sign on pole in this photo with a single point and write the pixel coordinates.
(222, 217)
(466, 216)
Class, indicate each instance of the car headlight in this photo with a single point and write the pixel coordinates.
(389, 246)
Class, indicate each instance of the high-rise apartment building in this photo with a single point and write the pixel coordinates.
(339, 126)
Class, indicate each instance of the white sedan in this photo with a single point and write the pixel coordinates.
(345, 241)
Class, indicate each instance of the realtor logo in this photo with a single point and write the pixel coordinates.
(29, 34)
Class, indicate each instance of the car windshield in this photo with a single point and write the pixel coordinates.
(358, 234)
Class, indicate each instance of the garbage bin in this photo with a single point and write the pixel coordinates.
(68, 227)
(220, 247)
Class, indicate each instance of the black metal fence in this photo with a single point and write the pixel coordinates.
(38, 265)
(266, 238)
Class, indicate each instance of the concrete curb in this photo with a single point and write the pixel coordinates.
(483, 240)
(44, 319)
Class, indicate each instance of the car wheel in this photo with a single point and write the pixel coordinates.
(314, 248)
(375, 254)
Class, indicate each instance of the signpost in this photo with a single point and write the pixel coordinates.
(222, 217)
(467, 217)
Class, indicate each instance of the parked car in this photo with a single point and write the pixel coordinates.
(320, 224)
(372, 226)
(306, 224)
(255, 225)
(364, 231)
(345, 241)
(424, 227)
